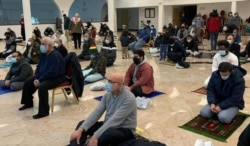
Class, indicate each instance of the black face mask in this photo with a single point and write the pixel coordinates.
(136, 60)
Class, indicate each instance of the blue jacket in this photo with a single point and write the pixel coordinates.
(50, 66)
(66, 23)
(227, 93)
(144, 34)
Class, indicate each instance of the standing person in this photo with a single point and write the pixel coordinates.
(164, 38)
(237, 20)
(213, 26)
(119, 125)
(22, 27)
(229, 18)
(50, 72)
(19, 71)
(124, 43)
(66, 24)
(76, 28)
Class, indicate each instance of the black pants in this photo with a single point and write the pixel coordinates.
(5, 55)
(23, 33)
(175, 56)
(111, 137)
(244, 139)
(77, 39)
(137, 91)
(29, 89)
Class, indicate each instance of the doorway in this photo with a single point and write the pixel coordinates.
(184, 14)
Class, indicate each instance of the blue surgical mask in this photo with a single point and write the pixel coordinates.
(108, 87)
(224, 77)
(107, 41)
(43, 49)
(171, 45)
(12, 60)
(222, 52)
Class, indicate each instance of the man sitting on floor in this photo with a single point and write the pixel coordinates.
(32, 52)
(191, 46)
(139, 78)
(87, 43)
(50, 72)
(225, 93)
(96, 70)
(19, 71)
(120, 118)
(60, 48)
(10, 45)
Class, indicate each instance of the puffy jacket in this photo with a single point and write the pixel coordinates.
(227, 93)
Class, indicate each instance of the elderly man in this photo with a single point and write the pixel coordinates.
(50, 72)
(19, 71)
(139, 77)
(225, 93)
(120, 119)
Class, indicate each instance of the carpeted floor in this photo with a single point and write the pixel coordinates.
(212, 128)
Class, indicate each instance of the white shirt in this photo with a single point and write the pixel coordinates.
(230, 57)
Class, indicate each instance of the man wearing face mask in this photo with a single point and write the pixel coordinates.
(109, 48)
(19, 71)
(10, 45)
(224, 55)
(139, 78)
(191, 46)
(50, 72)
(96, 70)
(119, 106)
(32, 52)
(182, 33)
(234, 47)
(87, 43)
(60, 48)
(176, 53)
(225, 93)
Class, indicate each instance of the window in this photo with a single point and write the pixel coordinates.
(150, 13)
(42, 11)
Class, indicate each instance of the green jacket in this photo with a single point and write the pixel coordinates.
(98, 65)
(35, 53)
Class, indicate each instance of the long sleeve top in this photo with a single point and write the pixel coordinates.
(121, 112)
(217, 59)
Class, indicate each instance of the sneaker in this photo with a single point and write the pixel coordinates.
(177, 65)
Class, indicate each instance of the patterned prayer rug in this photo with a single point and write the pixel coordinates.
(201, 90)
(212, 128)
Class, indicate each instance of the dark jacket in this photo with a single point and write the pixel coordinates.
(144, 34)
(35, 52)
(62, 50)
(227, 93)
(141, 142)
(48, 31)
(19, 71)
(124, 40)
(77, 77)
(98, 64)
(164, 38)
(110, 52)
(85, 55)
(193, 45)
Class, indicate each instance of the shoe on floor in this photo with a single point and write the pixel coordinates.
(178, 66)
(25, 107)
(37, 116)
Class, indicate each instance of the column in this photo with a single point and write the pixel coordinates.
(112, 15)
(160, 15)
(234, 6)
(27, 19)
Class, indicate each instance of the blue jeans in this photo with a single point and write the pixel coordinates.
(91, 77)
(163, 51)
(213, 40)
(224, 116)
(136, 45)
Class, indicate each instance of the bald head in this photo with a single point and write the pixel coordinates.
(116, 77)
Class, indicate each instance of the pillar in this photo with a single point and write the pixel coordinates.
(160, 15)
(112, 15)
(234, 6)
(27, 18)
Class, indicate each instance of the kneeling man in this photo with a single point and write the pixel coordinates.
(225, 93)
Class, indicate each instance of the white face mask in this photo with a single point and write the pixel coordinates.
(189, 41)
(230, 41)
(224, 77)
(28, 43)
(56, 45)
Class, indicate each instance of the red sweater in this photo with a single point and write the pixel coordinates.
(213, 24)
(144, 76)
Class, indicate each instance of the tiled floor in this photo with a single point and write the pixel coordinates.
(160, 122)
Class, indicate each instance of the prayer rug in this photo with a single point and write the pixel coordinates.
(201, 90)
(212, 128)
(152, 95)
(4, 91)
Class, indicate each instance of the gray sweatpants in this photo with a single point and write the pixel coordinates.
(13, 86)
